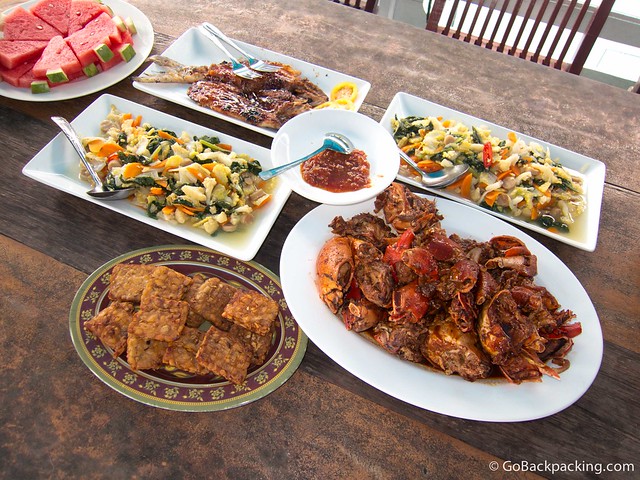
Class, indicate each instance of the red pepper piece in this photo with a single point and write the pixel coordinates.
(487, 155)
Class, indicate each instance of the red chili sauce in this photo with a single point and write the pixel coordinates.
(337, 172)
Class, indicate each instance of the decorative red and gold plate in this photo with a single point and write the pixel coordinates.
(174, 389)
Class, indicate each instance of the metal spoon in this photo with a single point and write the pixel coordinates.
(440, 178)
(332, 141)
(99, 190)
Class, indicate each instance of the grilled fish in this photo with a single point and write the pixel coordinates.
(268, 101)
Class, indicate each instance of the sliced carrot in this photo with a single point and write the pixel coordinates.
(168, 210)
(186, 210)
(109, 148)
(512, 136)
(189, 210)
(196, 173)
(552, 230)
(267, 200)
(440, 118)
(490, 197)
(208, 166)
(95, 145)
(504, 174)
(132, 170)
(534, 213)
(126, 116)
(226, 146)
(162, 182)
(429, 166)
(137, 121)
(156, 191)
(410, 146)
(168, 136)
(465, 186)
(159, 165)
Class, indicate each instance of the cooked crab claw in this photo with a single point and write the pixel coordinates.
(334, 267)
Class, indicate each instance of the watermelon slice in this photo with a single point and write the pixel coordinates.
(82, 12)
(23, 25)
(57, 54)
(12, 76)
(126, 39)
(27, 79)
(54, 12)
(16, 52)
(99, 30)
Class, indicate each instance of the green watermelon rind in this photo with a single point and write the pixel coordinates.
(127, 52)
(57, 75)
(40, 86)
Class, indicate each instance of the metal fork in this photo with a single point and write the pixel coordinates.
(238, 68)
(254, 63)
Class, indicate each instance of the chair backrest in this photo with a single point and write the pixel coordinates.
(368, 6)
(542, 31)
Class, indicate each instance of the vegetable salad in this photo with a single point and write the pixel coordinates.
(506, 175)
(179, 178)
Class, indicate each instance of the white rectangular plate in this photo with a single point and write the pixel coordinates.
(584, 232)
(194, 48)
(57, 165)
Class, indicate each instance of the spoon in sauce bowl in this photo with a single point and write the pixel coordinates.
(99, 190)
(439, 178)
(332, 141)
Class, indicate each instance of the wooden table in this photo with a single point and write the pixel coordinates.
(59, 421)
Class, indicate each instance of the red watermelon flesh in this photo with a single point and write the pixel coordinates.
(23, 25)
(12, 76)
(25, 80)
(54, 12)
(82, 12)
(16, 52)
(101, 29)
(57, 54)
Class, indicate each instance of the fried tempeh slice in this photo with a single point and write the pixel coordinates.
(210, 300)
(144, 354)
(258, 345)
(252, 310)
(110, 325)
(182, 352)
(194, 319)
(225, 355)
(128, 280)
(167, 283)
(159, 319)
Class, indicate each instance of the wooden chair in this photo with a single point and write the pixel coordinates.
(538, 30)
(369, 5)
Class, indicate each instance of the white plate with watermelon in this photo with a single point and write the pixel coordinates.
(56, 55)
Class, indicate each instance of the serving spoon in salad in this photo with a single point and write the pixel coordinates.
(99, 190)
(439, 178)
(332, 141)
